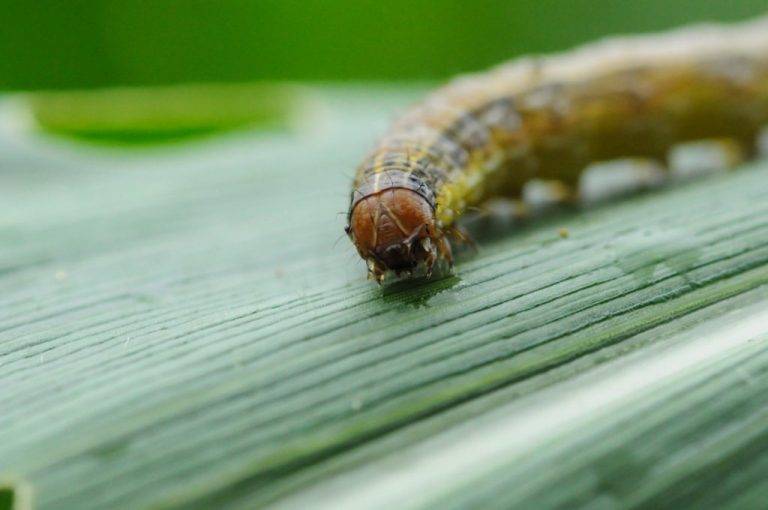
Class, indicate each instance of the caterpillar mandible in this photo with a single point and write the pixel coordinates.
(487, 134)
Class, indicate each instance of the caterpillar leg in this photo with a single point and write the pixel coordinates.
(610, 179)
(761, 144)
(441, 253)
(540, 193)
(502, 207)
(704, 157)
(461, 236)
(497, 216)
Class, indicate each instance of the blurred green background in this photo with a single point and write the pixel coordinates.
(54, 44)
(197, 67)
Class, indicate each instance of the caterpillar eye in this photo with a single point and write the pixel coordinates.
(348, 230)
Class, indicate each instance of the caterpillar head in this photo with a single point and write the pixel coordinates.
(395, 231)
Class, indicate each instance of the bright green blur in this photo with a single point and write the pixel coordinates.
(85, 43)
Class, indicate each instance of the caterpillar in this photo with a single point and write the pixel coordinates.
(548, 118)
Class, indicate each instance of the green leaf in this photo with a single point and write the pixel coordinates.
(89, 44)
(144, 115)
(187, 327)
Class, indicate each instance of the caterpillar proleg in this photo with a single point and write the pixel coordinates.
(548, 118)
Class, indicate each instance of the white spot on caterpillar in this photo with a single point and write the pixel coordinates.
(704, 157)
(609, 179)
(762, 143)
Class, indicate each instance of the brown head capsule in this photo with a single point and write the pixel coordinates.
(395, 230)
